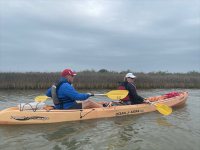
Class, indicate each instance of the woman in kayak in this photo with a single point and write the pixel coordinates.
(64, 95)
(128, 84)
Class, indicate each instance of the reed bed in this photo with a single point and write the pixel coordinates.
(102, 79)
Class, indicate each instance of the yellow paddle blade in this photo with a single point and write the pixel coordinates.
(40, 99)
(117, 94)
(163, 109)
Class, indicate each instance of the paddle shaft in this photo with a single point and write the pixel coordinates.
(114, 95)
(99, 94)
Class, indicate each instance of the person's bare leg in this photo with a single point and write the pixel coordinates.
(90, 104)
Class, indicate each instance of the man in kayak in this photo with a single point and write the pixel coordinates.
(64, 95)
(128, 84)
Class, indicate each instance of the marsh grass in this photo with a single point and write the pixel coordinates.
(100, 80)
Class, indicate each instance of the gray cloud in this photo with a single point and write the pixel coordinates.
(117, 35)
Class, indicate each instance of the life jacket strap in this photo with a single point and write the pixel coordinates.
(54, 95)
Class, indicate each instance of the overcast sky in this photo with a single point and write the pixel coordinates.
(139, 35)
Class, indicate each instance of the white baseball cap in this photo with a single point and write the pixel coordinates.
(130, 75)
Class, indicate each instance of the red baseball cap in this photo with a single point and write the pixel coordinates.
(68, 72)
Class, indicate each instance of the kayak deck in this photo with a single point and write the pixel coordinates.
(14, 115)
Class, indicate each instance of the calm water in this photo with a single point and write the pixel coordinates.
(151, 131)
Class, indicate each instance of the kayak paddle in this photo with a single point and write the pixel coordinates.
(40, 99)
(162, 108)
(114, 95)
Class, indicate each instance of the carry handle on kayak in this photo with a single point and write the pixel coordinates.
(114, 95)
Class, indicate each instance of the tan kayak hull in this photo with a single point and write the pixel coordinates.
(13, 115)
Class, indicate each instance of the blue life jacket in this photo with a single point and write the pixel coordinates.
(60, 101)
(66, 94)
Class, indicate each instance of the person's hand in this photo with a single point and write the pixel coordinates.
(146, 100)
(91, 94)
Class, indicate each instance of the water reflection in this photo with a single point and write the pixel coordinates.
(163, 122)
(71, 135)
(107, 133)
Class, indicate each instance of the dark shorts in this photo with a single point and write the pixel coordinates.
(76, 106)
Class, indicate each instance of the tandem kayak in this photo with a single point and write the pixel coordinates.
(14, 115)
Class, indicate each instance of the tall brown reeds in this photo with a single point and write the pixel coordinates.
(102, 79)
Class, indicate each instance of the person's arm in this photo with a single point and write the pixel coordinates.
(69, 91)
